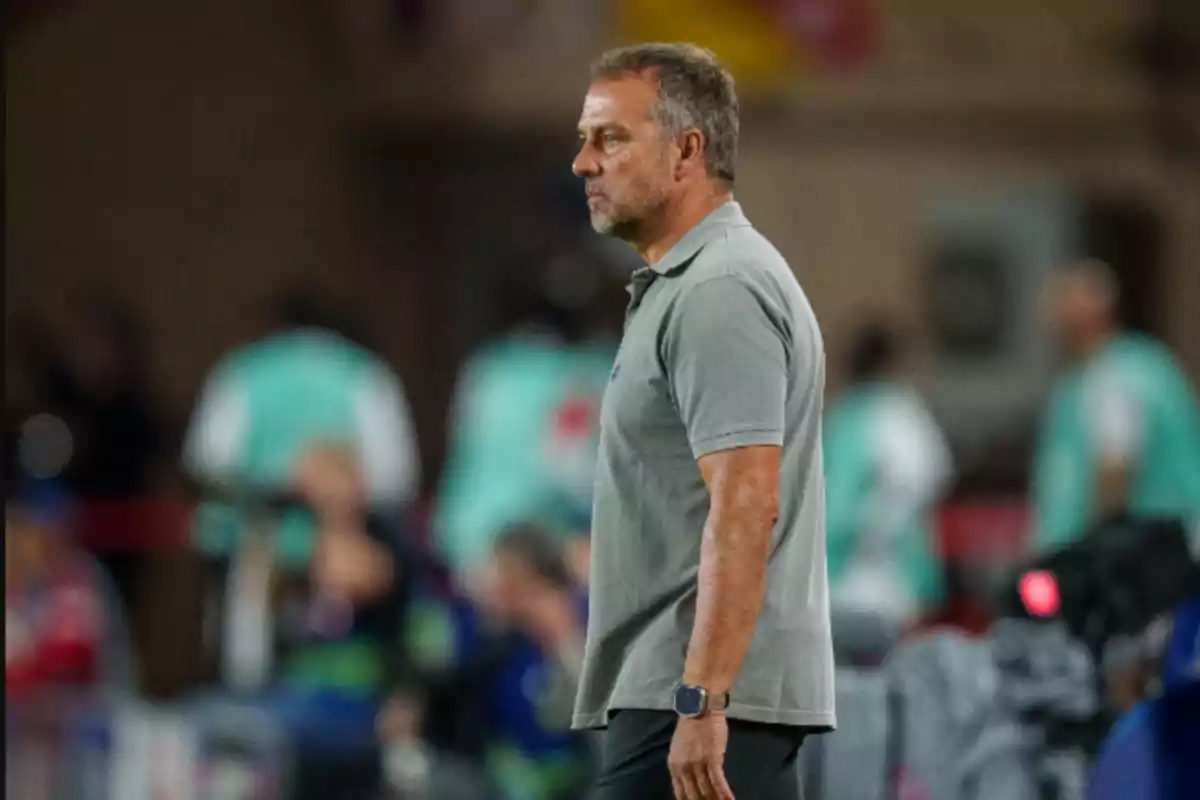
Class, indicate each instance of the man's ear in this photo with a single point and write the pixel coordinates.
(691, 151)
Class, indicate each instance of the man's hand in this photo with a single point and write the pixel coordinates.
(348, 563)
(697, 758)
(548, 615)
(329, 478)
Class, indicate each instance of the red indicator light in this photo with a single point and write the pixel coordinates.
(1038, 591)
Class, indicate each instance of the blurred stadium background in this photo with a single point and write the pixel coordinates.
(184, 178)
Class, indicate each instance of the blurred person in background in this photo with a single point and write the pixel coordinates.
(96, 426)
(1121, 432)
(336, 629)
(268, 401)
(304, 454)
(64, 626)
(525, 420)
(1119, 437)
(66, 645)
(887, 465)
(506, 697)
(539, 613)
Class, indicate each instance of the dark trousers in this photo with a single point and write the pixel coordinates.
(760, 760)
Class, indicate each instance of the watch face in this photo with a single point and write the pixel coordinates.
(689, 701)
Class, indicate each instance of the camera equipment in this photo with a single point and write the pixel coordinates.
(1115, 581)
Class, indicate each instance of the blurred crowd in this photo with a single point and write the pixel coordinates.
(437, 665)
(279, 588)
(412, 650)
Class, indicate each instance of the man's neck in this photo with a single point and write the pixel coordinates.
(681, 217)
(1096, 343)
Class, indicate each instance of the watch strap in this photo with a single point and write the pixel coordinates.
(711, 702)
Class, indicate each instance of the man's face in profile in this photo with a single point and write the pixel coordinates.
(624, 156)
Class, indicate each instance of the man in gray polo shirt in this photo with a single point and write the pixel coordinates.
(708, 650)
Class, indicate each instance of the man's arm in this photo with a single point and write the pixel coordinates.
(727, 354)
(743, 486)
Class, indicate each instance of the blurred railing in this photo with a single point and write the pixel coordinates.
(152, 523)
(967, 531)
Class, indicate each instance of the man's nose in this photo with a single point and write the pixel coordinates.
(584, 164)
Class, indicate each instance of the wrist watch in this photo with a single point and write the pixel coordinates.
(693, 702)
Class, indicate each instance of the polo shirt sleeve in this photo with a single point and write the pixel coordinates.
(726, 361)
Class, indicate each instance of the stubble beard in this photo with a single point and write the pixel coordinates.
(616, 225)
(630, 221)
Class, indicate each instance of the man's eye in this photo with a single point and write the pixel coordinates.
(610, 139)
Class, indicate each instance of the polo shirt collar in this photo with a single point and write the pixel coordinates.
(726, 216)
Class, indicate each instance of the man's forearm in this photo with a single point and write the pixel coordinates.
(733, 562)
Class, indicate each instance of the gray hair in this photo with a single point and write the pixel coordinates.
(695, 91)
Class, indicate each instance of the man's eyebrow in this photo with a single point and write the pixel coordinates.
(603, 127)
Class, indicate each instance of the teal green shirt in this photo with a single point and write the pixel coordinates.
(267, 402)
(523, 443)
(886, 464)
(1131, 399)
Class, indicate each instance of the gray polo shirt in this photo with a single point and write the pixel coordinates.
(721, 350)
